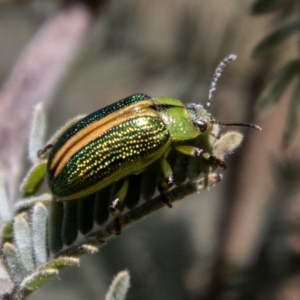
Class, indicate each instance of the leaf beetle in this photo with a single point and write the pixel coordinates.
(124, 138)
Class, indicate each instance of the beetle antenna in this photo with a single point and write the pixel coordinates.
(238, 124)
(216, 76)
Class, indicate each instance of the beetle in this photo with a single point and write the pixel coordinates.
(123, 139)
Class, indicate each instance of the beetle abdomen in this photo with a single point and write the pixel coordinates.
(108, 154)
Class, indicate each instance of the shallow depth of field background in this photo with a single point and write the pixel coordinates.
(237, 240)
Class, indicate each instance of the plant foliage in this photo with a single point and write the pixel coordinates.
(46, 235)
(287, 15)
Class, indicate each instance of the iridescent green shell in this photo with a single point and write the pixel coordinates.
(114, 142)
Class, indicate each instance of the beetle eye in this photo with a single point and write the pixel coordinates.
(201, 125)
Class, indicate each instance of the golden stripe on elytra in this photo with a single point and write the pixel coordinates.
(97, 132)
(87, 130)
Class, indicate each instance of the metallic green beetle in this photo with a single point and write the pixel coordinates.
(123, 139)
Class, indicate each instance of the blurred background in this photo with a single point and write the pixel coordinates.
(237, 240)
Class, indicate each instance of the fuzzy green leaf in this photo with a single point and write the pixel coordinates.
(5, 213)
(34, 178)
(37, 134)
(6, 284)
(119, 286)
(39, 233)
(90, 249)
(13, 262)
(24, 204)
(266, 6)
(70, 222)
(22, 236)
(293, 117)
(62, 261)
(36, 279)
(274, 91)
(56, 214)
(227, 143)
(277, 37)
(86, 211)
(7, 231)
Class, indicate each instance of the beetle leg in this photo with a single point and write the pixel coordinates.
(44, 150)
(167, 173)
(193, 151)
(214, 159)
(166, 182)
(116, 205)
